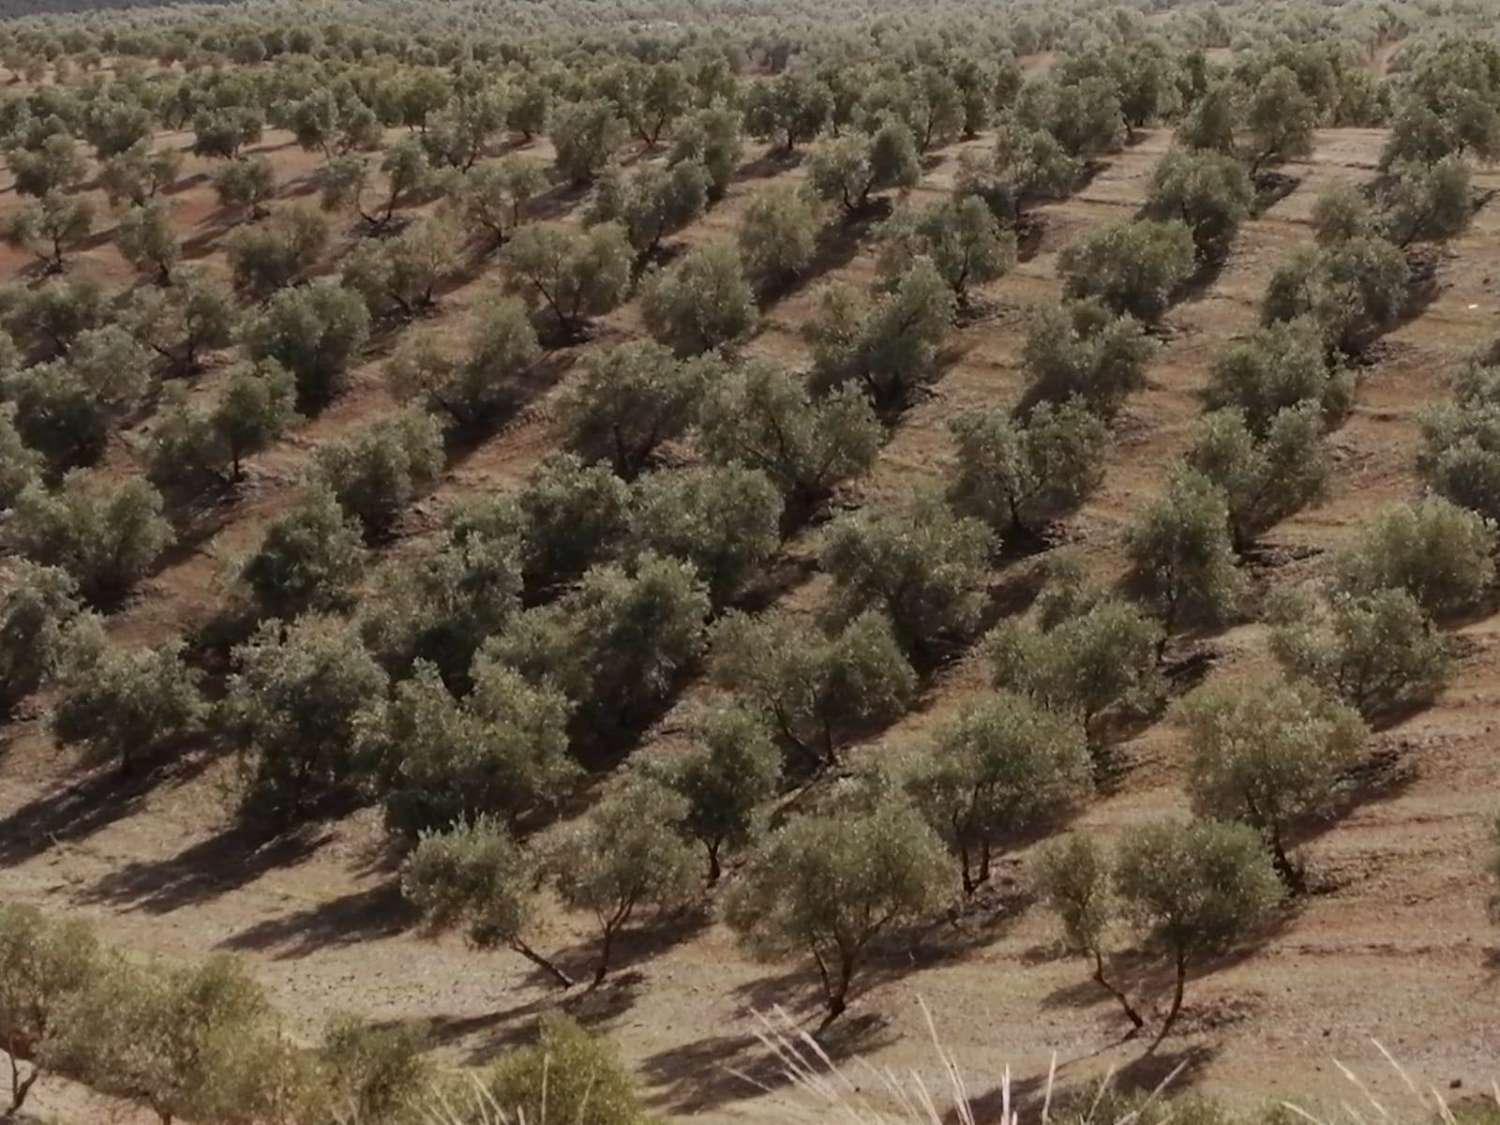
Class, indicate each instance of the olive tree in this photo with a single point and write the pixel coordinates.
(574, 274)
(408, 176)
(491, 201)
(221, 133)
(475, 386)
(308, 559)
(1082, 350)
(440, 606)
(1209, 192)
(816, 691)
(1016, 475)
(584, 136)
(1439, 553)
(652, 204)
(398, 278)
(1194, 889)
(39, 609)
(762, 417)
(277, 253)
(568, 1074)
(54, 165)
(189, 445)
(624, 858)
(194, 1041)
(617, 644)
(1279, 118)
(1378, 652)
(1352, 290)
(1460, 441)
(923, 566)
(1341, 213)
(793, 109)
(246, 185)
(125, 705)
(701, 302)
(632, 398)
(148, 242)
(316, 332)
(298, 705)
(1135, 268)
(848, 170)
(499, 752)
(1181, 554)
(1073, 876)
(571, 515)
(20, 465)
(376, 474)
(731, 772)
(778, 237)
(1265, 752)
(1005, 767)
(105, 534)
(829, 885)
(888, 346)
(46, 321)
(475, 877)
(962, 238)
(182, 321)
(50, 228)
(48, 973)
(1428, 201)
(1266, 479)
(139, 174)
(724, 520)
(1100, 660)
(711, 137)
(1280, 366)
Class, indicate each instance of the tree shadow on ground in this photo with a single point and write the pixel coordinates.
(633, 947)
(1148, 980)
(837, 245)
(1140, 1076)
(773, 162)
(202, 871)
(709, 1073)
(78, 809)
(359, 916)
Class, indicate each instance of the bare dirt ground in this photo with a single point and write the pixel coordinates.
(1393, 944)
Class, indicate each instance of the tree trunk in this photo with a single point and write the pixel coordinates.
(1176, 1008)
(838, 991)
(714, 869)
(1283, 864)
(561, 978)
(604, 951)
(1118, 993)
(20, 1087)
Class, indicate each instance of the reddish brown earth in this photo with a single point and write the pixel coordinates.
(1394, 944)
